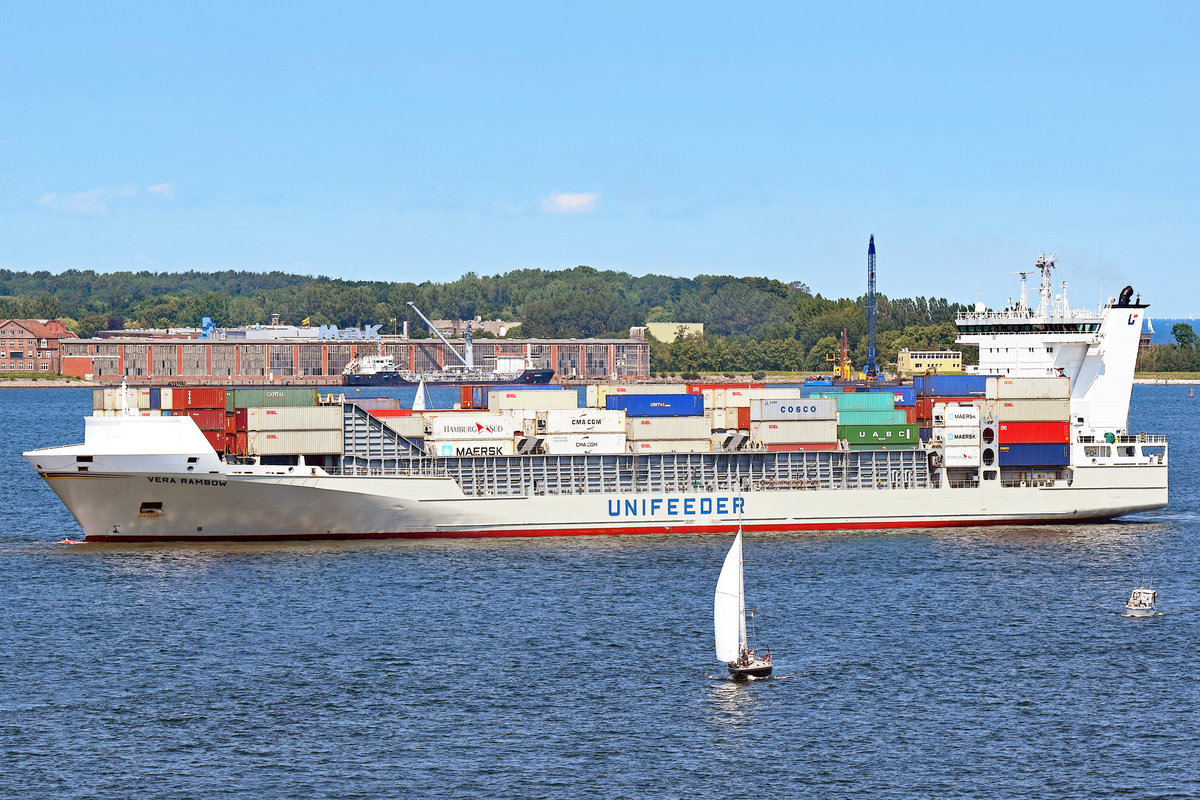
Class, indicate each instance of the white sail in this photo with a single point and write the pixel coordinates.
(419, 400)
(729, 618)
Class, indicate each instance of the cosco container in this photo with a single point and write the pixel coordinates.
(592, 420)
(671, 446)
(657, 405)
(471, 426)
(1054, 388)
(294, 418)
(530, 399)
(961, 456)
(894, 417)
(949, 385)
(639, 428)
(279, 443)
(274, 396)
(862, 401)
(1033, 432)
(879, 434)
(961, 436)
(569, 444)
(792, 410)
(1035, 455)
(1033, 410)
(794, 432)
(200, 397)
(470, 448)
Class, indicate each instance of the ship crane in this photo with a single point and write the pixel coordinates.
(871, 371)
(468, 361)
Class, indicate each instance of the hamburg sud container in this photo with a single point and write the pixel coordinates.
(812, 431)
(792, 410)
(273, 396)
(530, 399)
(878, 434)
(1035, 455)
(1034, 432)
(567, 444)
(467, 426)
(1033, 410)
(961, 456)
(640, 428)
(1054, 388)
(294, 418)
(591, 420)
(657, 405)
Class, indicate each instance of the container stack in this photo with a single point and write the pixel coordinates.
(871, 421)
(287, 430)
(956, 428)
(258, 437)
(461, 433)
(796, 424)
(933, 389)
(206, 406)
(663, 423)
(1032, 420)
(590, 431)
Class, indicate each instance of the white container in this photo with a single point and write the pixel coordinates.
(143, 398)
(596, 420)
(149, 412)
(794, 432)
(592, 396)
(410, 427)
(569, 444)
(961, 456)
(470, 448)
(777, 393)
(532, 399)
(1033, 410)
(166, 398)
(776, 410)
(641, 428)
(717, 418)
(1055, 388)
(112, 398)
(738, 398)
(466, 426)
(278, 443)
(671, 446)
(955, 415)
(293, 418)
(713, 398)
(961, 436)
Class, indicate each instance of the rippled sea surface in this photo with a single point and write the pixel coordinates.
(972, 662)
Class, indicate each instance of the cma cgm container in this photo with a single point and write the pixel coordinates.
(657, 405)
(1034, 432)
(569, 444)
(950, 385)
(878, 434)
(792, 410)
(589, 420)
(794, 432)
(873, 417)
(273, 396)
(640, 428)
(1035, 455)
(1028, 388)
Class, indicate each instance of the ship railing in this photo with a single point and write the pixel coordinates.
(1130, 438)
(423, 469)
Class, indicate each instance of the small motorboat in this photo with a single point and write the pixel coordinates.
(734, 647)
(1143, 602)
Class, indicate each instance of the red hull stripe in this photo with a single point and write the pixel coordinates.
(597, 531)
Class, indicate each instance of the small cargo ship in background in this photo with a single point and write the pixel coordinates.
(1037, 433)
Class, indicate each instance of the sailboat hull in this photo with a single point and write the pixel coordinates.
(755, 669)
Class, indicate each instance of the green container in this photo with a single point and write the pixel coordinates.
(265, 398)
(878, 434)
(872, 417)
(862, 401)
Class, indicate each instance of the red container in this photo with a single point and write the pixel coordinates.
(239, 420)
(743, 418)
(237, 444)
(230, 423)
(217, 439)
(910, 414)
(199, 397)
(1034, 433)
(800, 448)
(209, 419)
(395, 412)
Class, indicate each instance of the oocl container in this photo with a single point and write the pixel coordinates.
(584, 444)
(671, 446)
(294, 418)
(278, 443)
(470, 448)
(794, 432)
(638, 428)
(1033, 410)
(1048, 388)
(531, 399)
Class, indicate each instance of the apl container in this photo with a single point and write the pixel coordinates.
(274, 396)
(657, 405)
(1034, 432)
(592, 420)
(470, 448)
(570, 444)
(794, 432)
(902, 396)
(1033, 410)
(877, 434)
(1035, 455)
(792, 410)
(294, 418)
(639, 428)
(1054, 388)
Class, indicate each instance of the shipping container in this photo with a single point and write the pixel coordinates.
(569, 444)
(910, 415)
(961, 457)
(208, 419)
(390, 412)
(718, 419)
(893, 417)
(671, 446)
(149, 412)
(531, 399)
(956, 415)
(794, 432)
(155, 397)
(1035, 455)
(1033, 432)
(231, 423)
(961, 436)
(950, 385)
(410, 427)
(294, 418)
(925, 433)
(738, 398)
(166, 398)
(1055, 388)
(469, 425)
(902, 396)
(201, 397)
(657, 405)
(277, 443)
(274, 396)
(743, 416)
(236, 443)
(861, 434)
(801, 448)
(1033, 410)
(473, 447)
(216, 439)
(790, 393)
(592, 420)
(862, 401)
(884, 446)
(639, 428)
(143, 398)
(793, 410)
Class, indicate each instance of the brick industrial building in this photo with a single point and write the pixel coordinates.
(32, 345)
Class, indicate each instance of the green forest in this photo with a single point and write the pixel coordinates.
(751, 325)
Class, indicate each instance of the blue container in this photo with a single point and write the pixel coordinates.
(656, 405)
(1035, 455)
(902, 395)
(166, 412)
(819, 383)
(950, 385)
(155, 397)
(926, 434)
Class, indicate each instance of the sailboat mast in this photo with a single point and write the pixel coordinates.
(741, 596)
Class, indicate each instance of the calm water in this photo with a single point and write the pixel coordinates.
(977, 662)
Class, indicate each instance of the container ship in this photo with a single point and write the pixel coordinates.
(1037, 433)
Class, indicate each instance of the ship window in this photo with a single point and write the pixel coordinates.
(151, 508)
(1097, 452)
(84, 459)
(192, 459)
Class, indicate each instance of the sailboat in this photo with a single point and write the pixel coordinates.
(421, 401)
(729, 620)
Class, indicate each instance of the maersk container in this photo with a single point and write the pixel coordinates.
(879, 434)
(893, 417)
(1047, 388)
(467, 425)
(591, 420)
(956, 415)
(1035, 455)
(1034, 432)
(1033, 410)
(293, 418)
(792, 410)
(949, 385)
(274, 396)
(657, 405)
(794, 432)
(470, 448)
(280, 443)
(961, 457)
(862, 401)
(640, 428)
(570, 444)
(530, 399)
(962, 437)
(671, 446)
(187, 398)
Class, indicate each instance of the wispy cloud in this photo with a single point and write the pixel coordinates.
(97, 201)
(570, 202)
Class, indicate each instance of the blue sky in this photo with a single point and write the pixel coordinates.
(413, 142)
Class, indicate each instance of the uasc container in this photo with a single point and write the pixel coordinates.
(878, 434)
